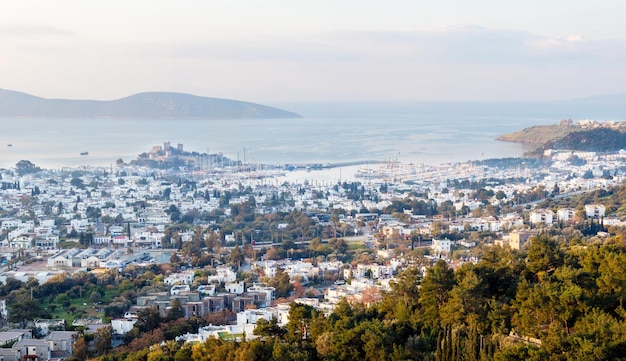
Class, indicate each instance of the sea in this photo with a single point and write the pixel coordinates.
(411, 132)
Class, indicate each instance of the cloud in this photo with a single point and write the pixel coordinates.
(459, 44)
(478, 45)
(448, 62)
(27, 31)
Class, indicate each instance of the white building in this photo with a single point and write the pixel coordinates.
(80, 225)
(539, 216)
(121, 326)
(184, 278)
(441, 246)
(375, 271)
(565, 215)
(252, 316)
(234, 287)
(46, 326)
(4, 311)
(101, 240)
(177, 289)
(261, 288)
(594, 210)
(227, 332)
(224, 274)
(207, 290)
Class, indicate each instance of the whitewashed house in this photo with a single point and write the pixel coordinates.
(541, 216)
(594, 210)
(441, 246)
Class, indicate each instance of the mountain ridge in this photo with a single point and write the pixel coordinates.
(14, 104)
(609, 98)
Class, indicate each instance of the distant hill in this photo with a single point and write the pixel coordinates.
(538, 135)
(585, 135)
(613, 106)
(605, 99)
(142, 105)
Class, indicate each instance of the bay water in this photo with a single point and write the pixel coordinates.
(430, 133)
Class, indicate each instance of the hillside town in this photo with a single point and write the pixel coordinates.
(220, 242)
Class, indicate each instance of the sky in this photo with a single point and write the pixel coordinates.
(310, 51)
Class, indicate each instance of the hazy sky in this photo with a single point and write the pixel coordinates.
(282, 51)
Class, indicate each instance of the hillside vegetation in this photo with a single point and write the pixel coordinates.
(593, 137)
(539, 134)
(598, 140)
(559, 300)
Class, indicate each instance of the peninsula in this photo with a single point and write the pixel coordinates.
(155, 105)
(539, 134)
(585, 135)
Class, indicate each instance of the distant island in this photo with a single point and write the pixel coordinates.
(151, 105)
(585, 135)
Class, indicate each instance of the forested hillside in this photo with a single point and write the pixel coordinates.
(559, 300)
(569, 137)
(596, 140)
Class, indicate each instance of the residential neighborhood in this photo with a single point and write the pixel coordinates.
(230, 245)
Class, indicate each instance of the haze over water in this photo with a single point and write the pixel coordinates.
(428, 133)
